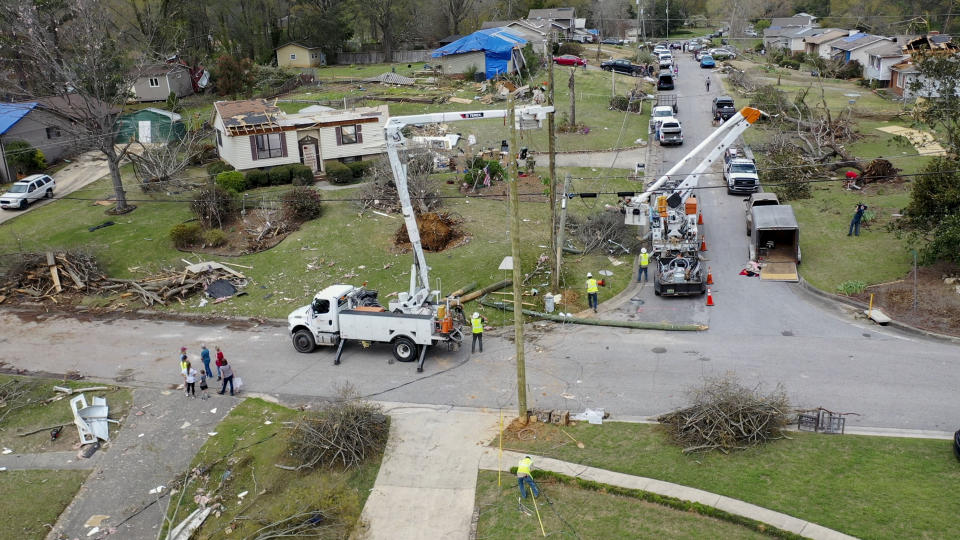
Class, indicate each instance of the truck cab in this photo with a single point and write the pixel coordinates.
(741, 175)
(318, 320)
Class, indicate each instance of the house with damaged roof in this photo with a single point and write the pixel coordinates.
(256, 134)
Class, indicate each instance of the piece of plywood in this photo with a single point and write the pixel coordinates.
(877, 316)
(921, 140)
(779, 271)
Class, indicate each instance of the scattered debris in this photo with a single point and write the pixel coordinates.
(185, 529)
(592, 416)
(95, 520)
(91, 420)
(460, 100)
(391, 78)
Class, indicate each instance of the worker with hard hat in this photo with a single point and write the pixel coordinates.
(592, 291)
(644, 261)
(476, 324)
(523, 477)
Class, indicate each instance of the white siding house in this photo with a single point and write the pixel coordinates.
(880, 59)
(254, 134)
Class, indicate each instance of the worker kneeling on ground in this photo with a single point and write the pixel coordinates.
(476, 322)
(523, 477)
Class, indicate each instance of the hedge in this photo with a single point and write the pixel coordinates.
(360, 168)
(338, 173)
(233, 181)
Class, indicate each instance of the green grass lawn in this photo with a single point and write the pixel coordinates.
(271, 493)
(581, 513)
(870, 487)
(31, 501)
(830, 257)
(38, 414)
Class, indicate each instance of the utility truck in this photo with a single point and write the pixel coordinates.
(419, 317)
(669, 211)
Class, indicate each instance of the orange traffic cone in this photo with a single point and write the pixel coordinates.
(709, 276)
(699, 219)
(703, 244)
(709, 298)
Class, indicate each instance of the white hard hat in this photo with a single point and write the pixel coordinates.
(589, 274)
(476, 315)
(643, 250)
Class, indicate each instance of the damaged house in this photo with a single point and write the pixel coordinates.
(255, 134)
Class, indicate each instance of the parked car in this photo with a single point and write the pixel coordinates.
(24, 192)
(621, 66)
(569, 60)
(720, 53)
(724, 106)
(706, 61)
(612, 41)
(671, 132)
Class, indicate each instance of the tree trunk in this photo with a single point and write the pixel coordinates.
(386, 28)
(573, 97)
(113, 161)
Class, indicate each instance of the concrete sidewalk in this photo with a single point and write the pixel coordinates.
(428, 477)
(804, 528)
(49, 461)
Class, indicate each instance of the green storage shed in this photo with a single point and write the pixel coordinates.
(150, 126)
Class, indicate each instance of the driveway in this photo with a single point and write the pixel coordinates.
(83, 170)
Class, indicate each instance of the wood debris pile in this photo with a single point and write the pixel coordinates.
(727, 416)
(58, 276)
(344, 434)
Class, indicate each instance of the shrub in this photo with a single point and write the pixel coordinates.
(851, 70)
(24, 157)
(215, 238)
(218, 167)
(570, 47)
(359, 168)
(185, 235)
(206, 152)
(232, 181)
(851, 288)
(338, 173)
(257, 178)
(470, 72)
(279, 175)
(302, 203)
(301, 175)
(214, 206)
(496, 170)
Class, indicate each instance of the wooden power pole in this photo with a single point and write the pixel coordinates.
(552, 141)
(572, 85)
(563, 220)
(517, 275)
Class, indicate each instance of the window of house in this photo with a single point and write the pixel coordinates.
(154, 82)
(348, 134)
(269, 145)
(313, 55)
(53, 132)
(899, 80)
(219, 138)
(293, 56)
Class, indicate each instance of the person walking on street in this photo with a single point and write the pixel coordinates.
(220, 361)
(708, 83)
(205, 357)
(190, 381)
(476, 323)
(592, 292)
(524, 478)
(227, 372)
(676, 70)
(857, 216)
(644, 261)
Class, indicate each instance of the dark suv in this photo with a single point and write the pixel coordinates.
(724, 105)
(621, 66)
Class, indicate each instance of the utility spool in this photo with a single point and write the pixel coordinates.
(709, 298)
(709, 276)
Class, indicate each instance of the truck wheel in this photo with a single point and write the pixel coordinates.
(303, 341)
(404, 349)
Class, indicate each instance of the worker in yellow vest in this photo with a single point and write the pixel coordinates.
(592, 292)
(644, 261)
(476, 323)
(523, 477)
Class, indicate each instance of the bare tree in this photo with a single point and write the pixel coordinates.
(456, 11)
(163, 163)
(75, 57)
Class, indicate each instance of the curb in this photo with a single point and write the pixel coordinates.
(837, 299)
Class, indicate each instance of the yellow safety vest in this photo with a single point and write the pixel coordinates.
(592, 286)
(477, 325)
(644, 259)
(183, 365)
(523, 469)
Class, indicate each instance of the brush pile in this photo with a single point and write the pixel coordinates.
(727, 416)
(344, 434)
(42, 275)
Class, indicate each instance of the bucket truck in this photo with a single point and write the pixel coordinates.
(669, 209)
(418, 317)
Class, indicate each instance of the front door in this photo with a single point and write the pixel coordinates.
(309, 153)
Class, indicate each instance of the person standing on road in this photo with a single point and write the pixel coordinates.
(190, 381)
(592, 292)
(708, 83)
(227, 372)
(183, 364)
(676, 70)
(523, 477)
(205, 357)
(476, 324)
(857, 216)
(220, 361)
(644, 261)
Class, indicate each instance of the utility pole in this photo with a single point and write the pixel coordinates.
(563, 220)
(517, 276)
(552, 142)
(572, 85)
(637, 32)
(666, 32)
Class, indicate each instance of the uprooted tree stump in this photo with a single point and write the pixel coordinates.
(725, 415)
(879, 170)
(438, 231)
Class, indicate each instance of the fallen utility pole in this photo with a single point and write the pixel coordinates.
(600, 322)
(489, 288)
(517, 276)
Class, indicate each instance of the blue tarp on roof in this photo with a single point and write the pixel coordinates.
(496, 43)
(11, 113)
(854, 37)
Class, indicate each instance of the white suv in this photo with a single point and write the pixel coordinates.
(25, 191)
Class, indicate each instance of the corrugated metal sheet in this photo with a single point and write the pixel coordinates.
(391, 78)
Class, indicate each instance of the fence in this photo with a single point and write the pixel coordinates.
(377, 57)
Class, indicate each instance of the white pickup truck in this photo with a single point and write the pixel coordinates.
(343, 312)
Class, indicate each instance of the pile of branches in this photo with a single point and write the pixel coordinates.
(15, 394)
(726, 415)
(171, 285)
(603, 231)
(381, 193)
(308, 523)
(740, 80)
(41, 275)
(345, 433)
